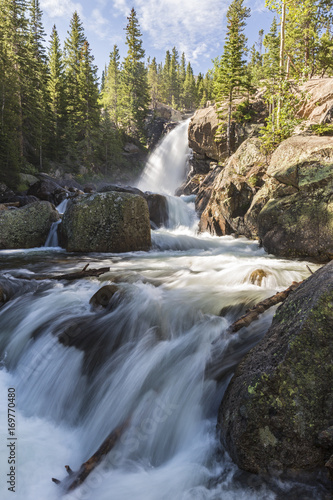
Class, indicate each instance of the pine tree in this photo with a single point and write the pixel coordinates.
(35, 110)
(230, 70)
(72, 55)
(153, 82)
(88, 111)
(189, 92)
(56, 89)
(134, 82)
(110, 93)
(166, 84)
(173, 78)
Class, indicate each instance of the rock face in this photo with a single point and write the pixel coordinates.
(27, 227)
(204, 124)
(318, 107)
(280, 399)
(298, 222)
(233, 191)
(106, 222)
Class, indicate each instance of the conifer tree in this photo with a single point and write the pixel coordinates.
(230, 70)
(56, 90)
(189, 91)
(134, 82)
(110, 92)
(153, 82)
(72, 55)
(88, 111)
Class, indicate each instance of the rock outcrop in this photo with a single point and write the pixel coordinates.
(233, 191)
(297, 221)
(106, 222)
(278, 407)
(27, 227)
(285, 199)
(318, 103)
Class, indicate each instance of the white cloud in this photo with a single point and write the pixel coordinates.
(181, 23)
(60, 8)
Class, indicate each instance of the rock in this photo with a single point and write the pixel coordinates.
(103, 296)
(297, 220)
(318, 105)
(303, 162)
(233, 191)
(6, 194)
(257, 276)
(280, 398)
(120, 189)
(89, 188)
(27, 227)
(167, 112)
(325, 438)
(131, 148)
(106, 222)
(158, 209)
(28, 179)
(201, 133)
(203, 129)
(47, 189)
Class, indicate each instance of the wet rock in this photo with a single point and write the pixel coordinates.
(158, 209)
(103, 296)
(257, 276)
(106, 222)
(27, 227)
(284, 386)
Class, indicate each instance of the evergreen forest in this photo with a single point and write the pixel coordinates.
(56, 114)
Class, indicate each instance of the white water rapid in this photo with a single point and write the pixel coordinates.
(167, 164)
(78, 372)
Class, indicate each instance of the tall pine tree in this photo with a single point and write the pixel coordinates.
(134, 82)
(231, 70)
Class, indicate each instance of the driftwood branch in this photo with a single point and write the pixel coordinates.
(253, 313)
(85, 273)
(77, 478)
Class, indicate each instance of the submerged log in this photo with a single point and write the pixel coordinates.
(78, 477)
(84, 273)
(253, 313)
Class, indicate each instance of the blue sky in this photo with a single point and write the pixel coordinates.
(196, 27)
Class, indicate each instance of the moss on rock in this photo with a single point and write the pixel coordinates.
(106, 222)
(284, 386)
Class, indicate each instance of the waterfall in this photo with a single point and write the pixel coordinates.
(167, 164)
(79, 371)
(52, 238)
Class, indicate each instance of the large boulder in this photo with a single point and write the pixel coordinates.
(27, 227)
(297, 221)
(318, 104)
(233, 191)
(280, 399)
(49, 189)
(203, 128)
(106, 222)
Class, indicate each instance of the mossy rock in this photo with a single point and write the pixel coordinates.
(280, 398)
(27, 227)
(298, 226)
(106, 222)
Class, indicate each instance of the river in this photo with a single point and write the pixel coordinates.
(145, 362)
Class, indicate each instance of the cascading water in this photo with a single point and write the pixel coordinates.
(167, 165)
(79, 372)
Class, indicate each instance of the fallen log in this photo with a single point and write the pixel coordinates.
(84, 273)
(223, 361)
(78, 477)
(253, 313)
